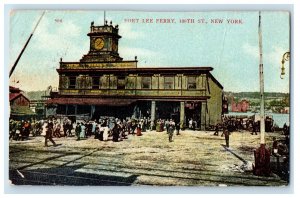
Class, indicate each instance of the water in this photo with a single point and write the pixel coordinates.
(279, 118)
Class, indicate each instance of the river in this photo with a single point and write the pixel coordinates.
(279, 118)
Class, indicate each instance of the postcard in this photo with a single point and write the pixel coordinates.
(134, 98)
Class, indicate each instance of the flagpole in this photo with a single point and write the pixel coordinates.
(262, 154)
(261, 80)
(15, 64)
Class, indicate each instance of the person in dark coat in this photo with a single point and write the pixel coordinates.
(12, 129)
(115, 133)
(49, 132)
(133, 127)
(226, 134)
(26, 129)
(65, 127)
(255, 128)
(217, 130)
(171, 130)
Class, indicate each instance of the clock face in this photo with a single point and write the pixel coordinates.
(99, 43)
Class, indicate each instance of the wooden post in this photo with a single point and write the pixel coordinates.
(182, 115)
(203, 116)
(153, 106)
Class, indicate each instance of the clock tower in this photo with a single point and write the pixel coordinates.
(104, 42)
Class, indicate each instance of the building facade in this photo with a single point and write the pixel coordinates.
(242, 106)
(103, 84)
(19, 104)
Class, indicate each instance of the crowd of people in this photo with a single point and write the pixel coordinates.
(104, 129)
(20, 130)
(248, 124)
(115, 129)
(169, 125)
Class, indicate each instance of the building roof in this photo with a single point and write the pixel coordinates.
(13, 96)
(14, 89)
(140, 70)
(216, 81)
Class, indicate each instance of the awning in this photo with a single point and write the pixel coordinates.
(91, 101)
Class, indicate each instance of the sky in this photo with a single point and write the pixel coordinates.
(232, 49)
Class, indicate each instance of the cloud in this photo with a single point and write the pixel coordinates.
(143, 55)
(272, 55)
(275, 56)
(126, 30)
(35, 75)
(250, 50)
(52, 40)
(57, 36)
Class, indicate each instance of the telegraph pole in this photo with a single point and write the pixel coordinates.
(261, 154)
(261, 84)
(15, 64)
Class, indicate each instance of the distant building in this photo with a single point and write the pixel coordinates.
(225, 108)
(286, 110)
(19, 104)
(103, 84)
(242, 106)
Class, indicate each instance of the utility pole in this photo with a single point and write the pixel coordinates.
(262, 154)
(15, 64)
(261, 85)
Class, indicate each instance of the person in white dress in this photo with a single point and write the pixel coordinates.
(105, 133)
(82, 133)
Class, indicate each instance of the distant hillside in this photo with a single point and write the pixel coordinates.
(257, 94)
(272, 99)
(34, 95)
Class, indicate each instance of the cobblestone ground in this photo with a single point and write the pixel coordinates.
(193, 158)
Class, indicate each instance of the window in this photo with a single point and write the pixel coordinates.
(104, 82)
(61, 109)
(130, 82)
(191, 82)
(82, 109)
(72, 83)
(121, 82)
(95, 82)
(146, 82)
(71, 109)
(169, 82)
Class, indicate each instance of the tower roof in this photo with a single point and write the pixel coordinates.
(104, 29)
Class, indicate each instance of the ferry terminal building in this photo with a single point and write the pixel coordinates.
(103, 84)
